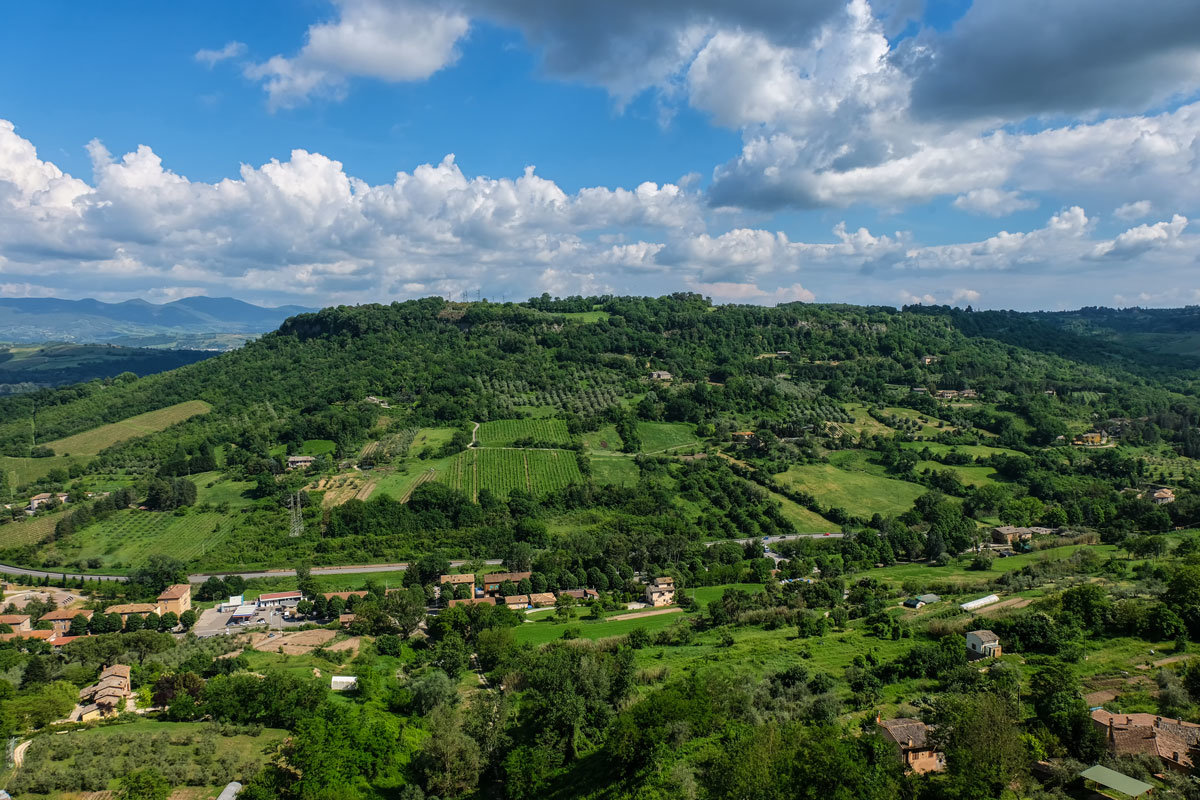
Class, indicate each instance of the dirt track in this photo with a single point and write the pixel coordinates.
(638, 615)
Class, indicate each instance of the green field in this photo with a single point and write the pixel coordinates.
(431, 438)
(89, 443)
(604, 440)
(804, 520)
(973, 450)
(130, 537)
(318, 447)
(659, 436)
(21, 471)
(614, 470)
(971, 476)
(959, 574)
(501, 471)
(222, 490)
(858, 492)
(28, 531)
(246, 752)
(503, 432)
(929, 427)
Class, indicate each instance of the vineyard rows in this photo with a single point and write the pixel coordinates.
(501, 471)
(503, 432)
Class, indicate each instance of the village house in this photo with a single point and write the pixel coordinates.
(104, 697)
(1162, 497)
(983, 644)
(660, 375)
(580, 594)
(344, 596)
(44, 636)
(300, 462)
(279, 599)
(517, 601)
(176, 598)
(18, 622)
(345, 619)
(454, 581)
(1174, 742)
(38, 500)
(968, 394)
(660, 592)
(921, 600)
(927, 360)
(379, 401)
(491, 583)
(1092, 438)
(541, 599)
(911, 738)
(61, 618)
(743, 437)
(472, 601)
(947, 394)
(128, 609)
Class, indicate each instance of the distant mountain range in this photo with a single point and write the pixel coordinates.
(196, 322)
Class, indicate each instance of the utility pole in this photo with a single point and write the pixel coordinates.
(297, 520)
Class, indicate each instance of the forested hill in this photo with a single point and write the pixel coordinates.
(450, 362)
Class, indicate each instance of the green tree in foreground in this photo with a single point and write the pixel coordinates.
(144, 784)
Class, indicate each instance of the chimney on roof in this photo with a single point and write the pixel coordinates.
(910, 741)
(1129, 720)
(1111, 736)
(878, 717)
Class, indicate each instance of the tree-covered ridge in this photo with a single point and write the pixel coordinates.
(429, 354)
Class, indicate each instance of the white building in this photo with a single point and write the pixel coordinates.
(341, 683)
(971, 605)
(983, 644)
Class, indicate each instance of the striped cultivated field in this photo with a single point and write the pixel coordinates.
(503, 432)
(501, 471)
(89, 443)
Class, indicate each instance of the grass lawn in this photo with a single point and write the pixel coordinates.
(971, 476)
(863, 422)
(129, 537)
(584, 316)
(89, 443)
(21, 471)
(928, 428)
(614, 470)
(960, 574)
(222, 490)
(973, 450)
(431, 438)
(398, 481)
(659, 436)
(858, 492)
(604, 440)
(805, 521)
(348, 582)
(318, 447)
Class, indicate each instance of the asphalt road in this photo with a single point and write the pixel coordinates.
(201, 577)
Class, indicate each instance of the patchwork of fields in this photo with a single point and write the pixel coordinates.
(501, 471)
(89, 443)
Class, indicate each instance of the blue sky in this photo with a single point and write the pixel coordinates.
(1000, 153)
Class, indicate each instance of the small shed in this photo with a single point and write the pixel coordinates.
(342, 683)
(1112, 779)
(232, 790)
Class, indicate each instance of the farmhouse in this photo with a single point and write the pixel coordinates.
(454, 581)
(277, 599)
(983, 644)
(61, 618)
(38, 500)
(128, 609)
(911, 738)
(742, 436)
(927, 360)
(661, 592)
(968, 394)
(104, 697)
(517, 601)
(300, 462)
(1172, 741)
(345, 619)
(491, 583)
(1162, 497)
(660, 375)
(580, 594)
(921, 600)
(177, 599)
(18, 622)
(541, 599)
(1092, 439)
